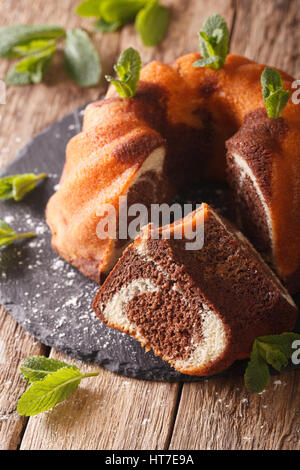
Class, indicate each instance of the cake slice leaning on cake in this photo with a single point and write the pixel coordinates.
(199, 309)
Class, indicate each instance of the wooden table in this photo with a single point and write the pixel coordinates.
(112, 412)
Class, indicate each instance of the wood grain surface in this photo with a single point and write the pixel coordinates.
(112, 412)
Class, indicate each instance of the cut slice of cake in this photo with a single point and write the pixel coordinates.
(262, 159)
(199, 309)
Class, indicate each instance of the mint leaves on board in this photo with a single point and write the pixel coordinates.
(35, 46)
(214, 43)
(152, 22)
(8, 234)
(151, 19)
(81, 58)
(128, 68)
(274, 95)
(272, 350)
(17, 186)
(52, 381)
(11, 37)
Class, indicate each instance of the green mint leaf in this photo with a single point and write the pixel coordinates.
(52, 382)
(31, 69)
(81, 58)
(214, 42)
(34, 47)
(257, 374)
(103, 26)
(152, 22)
(284, 341)
(16, 78)
(275, 350)
(89, 8)
(128, 68)
(35, 368)
(16, 35)
(121, 11)
(273, 355)
(274, 95)
(17, 186)
(205, 62)
(44, 394)
(122, 89)
(8, 235)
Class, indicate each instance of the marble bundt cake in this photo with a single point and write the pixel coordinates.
(200, 310)
(173, 133)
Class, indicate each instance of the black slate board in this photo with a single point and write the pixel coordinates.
(50, 298)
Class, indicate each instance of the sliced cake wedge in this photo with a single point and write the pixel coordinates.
(199, 309)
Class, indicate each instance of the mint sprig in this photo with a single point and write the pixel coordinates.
(152, 22)
(151, 18)
(11, 37)
(81, 58)
(36, 46)
(17, 186)
(128, 68)
(8, 235)
(214, 43)
(272, 350)
(35, 368)
(52, 381)
(274, 95)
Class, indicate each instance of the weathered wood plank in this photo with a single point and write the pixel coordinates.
(269, 33)
(219, 414)
(15, 345)
(107, 412)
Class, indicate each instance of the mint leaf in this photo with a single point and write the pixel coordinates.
(81, 58)
(55, 387)
(17, 186)
(208, 61)
(128, 68)
(257, 374)
(8, 234)
(273, 355)
(121, 11)
(88, 8)
(16, 35)
(275, 350)
(214, 43)
(35, 368)
(44, 394)
(33, 47)
(283, 341)
(152, 22)
(274, 95)
(103, 26)
(31, 69)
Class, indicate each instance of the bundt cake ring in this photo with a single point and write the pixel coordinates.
(172, 133)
